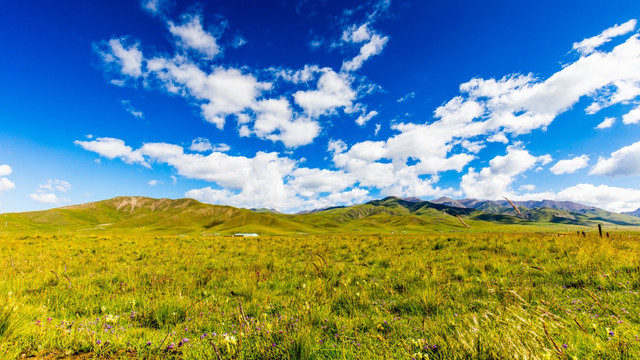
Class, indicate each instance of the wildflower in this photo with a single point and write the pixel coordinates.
(148, 343)
(203, 336)
(98, 342)
(274, 345)
(611, 333)
(171, 346)
(565, 346)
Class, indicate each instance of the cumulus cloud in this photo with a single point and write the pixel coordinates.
(570, 166)
(153, 182)
(589, 45)
(5, 183)
(494, 182)
(606, 197)
(45, 198)
(191, 35)
(606, 123)
(264, 180)
(274, 121)
(623, 162)
(632, 117)
(123, 56)
(334, 91)
(113, 148)
(222, 92)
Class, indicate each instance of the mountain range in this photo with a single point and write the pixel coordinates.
(388, 215)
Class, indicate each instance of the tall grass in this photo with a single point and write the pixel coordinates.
(448, 296)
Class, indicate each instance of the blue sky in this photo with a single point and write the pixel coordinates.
(295, 105)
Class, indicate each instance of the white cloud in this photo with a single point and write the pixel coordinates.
(570, 166)
(56, 185)
(623, 162)
(153, 182)
(377, 130)
(201, 145)
(126, 59)
(45, 193)
(632, 117)
(113, 148)
(222, 92)
(362, 119)
(191, 35)
(410, 95)
(45, 198)
(527, 187)
(610, 198)
(274, 121)
(494, 182)
(6, 184)
(373, 45)
(589, 45)
(131, 110)
(334, 91)
(545, 159)
(606, 123)
(154, 7)
(5, 170)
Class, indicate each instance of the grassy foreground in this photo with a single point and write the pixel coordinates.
(448, 296)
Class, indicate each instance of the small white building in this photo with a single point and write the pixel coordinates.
(245, 235)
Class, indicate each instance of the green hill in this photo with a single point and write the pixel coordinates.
(391, 214)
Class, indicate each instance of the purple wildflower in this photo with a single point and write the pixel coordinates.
(565, 346)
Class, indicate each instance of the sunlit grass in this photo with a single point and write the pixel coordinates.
(448, 296)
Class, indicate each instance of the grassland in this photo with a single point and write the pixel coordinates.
(446, 296)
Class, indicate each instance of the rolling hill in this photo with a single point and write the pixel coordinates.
(391, 214)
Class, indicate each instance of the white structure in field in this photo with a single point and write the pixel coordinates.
(245, 235)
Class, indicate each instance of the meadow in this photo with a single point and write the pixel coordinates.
(403, 296)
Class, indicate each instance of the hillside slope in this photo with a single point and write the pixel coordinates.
(391, 214)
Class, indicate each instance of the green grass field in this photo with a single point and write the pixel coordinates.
(448, 296)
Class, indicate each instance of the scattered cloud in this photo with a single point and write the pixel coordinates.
(153, 182)
(122, 56)
(55, 185)
(5, 183)
(131, 110)
(623, 162)
(373, 45)
(377, 130)
(632, 117)
(362, 119)
(113, 148)
(570, 166)
(191, 36)
(606, 123)
(238, 42)
(334, 91)
(45, 198)
(154, 7)
(46, 193)
(409, 96)
(203, 145)
(589, 45)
